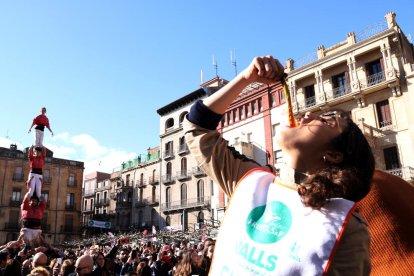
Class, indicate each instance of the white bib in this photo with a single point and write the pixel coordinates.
(268, 231)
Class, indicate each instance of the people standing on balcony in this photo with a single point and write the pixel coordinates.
(277, 223)
(37, 159)
(31, 215)
(41, 121)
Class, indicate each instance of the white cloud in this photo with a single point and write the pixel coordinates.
(84, 148)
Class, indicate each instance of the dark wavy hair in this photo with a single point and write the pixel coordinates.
(350, 179)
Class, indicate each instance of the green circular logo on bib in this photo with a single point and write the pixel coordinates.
(269, 223)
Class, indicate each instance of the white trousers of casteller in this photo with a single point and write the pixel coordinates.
(34, 184)
(39, 138)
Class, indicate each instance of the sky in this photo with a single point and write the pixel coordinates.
(102, 68)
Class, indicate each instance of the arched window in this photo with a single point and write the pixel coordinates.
(168, 175)
(200, 190)
(183, 166)
(167, 221)
(169, 123)
(168, 197)
(169, 168)
(154, 195)
(200, 219)
(184, 194)
(182, 116)
(153, 180)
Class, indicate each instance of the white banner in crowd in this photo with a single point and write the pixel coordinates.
(99, 224)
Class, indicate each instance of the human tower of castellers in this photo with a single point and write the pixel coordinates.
(34, 205)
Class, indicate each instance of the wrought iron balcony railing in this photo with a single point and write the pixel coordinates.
(375, 78)
(153, 180)
(186, 203)
(197, 171)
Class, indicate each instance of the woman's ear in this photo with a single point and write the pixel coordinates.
(333, 157)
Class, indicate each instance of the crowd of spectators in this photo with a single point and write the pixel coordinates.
(122, 257)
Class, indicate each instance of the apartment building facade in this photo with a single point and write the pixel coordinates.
(62, 189)
(188, 196)
(93, 186)
(142, 175)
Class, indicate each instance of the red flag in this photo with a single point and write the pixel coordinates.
(145, 232)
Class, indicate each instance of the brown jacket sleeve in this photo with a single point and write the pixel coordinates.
(219, 161)
(352, 255)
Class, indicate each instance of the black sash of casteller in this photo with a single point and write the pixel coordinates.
(37, 171)
(40, 127)
(32, 223)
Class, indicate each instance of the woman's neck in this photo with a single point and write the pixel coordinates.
(290, 176)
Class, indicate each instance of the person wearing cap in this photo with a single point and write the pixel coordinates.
(31, 215)
(41, 121)
(37, 159)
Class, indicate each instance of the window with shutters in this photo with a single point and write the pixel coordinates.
(383, 114)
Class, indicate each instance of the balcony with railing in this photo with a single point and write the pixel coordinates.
(12, 226)
(183, 149)
(310, 101)
(197, 202)
(167, 179)
(154, 180)
(18, 177)
(102, 202)
(123, 204)
(386, 125)
(141, 183)
(341, 91)
(375, 79)
(406, 173)
(88, 210)
(168, 154)
(149, 201)
(103, 188)
(183, 175)
(197, 171)
(88, 193)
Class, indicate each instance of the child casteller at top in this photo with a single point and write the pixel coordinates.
(41, 121)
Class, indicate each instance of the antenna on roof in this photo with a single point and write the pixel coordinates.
(233, 61)
(215, 66)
